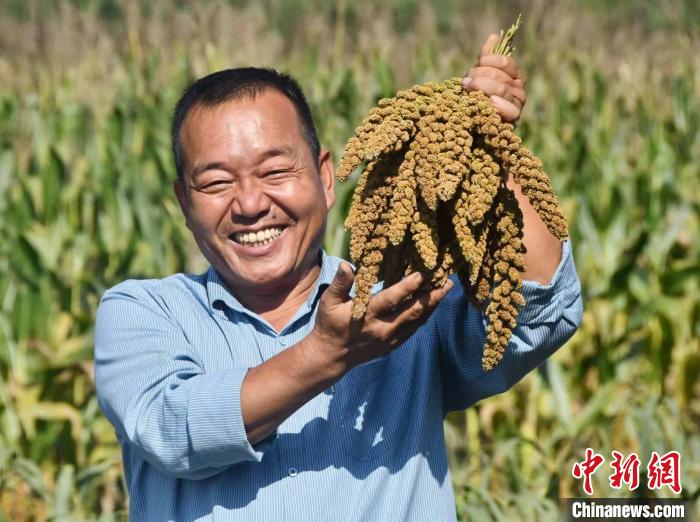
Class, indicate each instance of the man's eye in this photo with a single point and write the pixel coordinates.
(214, 185)
(277, 174)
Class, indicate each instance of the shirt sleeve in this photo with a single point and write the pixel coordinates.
(152, 387)
(550, 316)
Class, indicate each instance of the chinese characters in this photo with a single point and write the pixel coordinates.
(662, 470)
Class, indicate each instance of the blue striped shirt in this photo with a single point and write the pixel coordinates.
(170, 358)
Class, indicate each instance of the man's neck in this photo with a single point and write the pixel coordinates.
(278, 305)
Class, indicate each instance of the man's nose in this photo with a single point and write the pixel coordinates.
(250, 202)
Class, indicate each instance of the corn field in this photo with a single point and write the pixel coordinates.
(86, 93)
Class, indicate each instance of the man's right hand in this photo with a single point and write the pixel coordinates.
(393, 315)
(275, 389)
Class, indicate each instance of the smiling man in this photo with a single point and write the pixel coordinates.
(255, 191)
(245, 393)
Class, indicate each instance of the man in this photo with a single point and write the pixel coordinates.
(243, 393)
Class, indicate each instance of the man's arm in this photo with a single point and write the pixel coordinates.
(543, 248)
(152, 386)
(551, 315)
(191, 423)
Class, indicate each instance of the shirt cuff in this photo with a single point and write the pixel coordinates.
(218, 438)
(547, 303)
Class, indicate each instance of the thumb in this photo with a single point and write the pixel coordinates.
(489, 45)
(341, 284)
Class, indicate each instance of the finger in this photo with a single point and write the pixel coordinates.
(391, 297)
(509, 111)
(430, 301)
(504, 63)
(408, 327)
(493, 87)
(520, 96)
(489, 44)
(490, 72)
(420, 306)
(340, 286)
(517, 85)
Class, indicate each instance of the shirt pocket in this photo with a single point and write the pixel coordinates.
(362, 398)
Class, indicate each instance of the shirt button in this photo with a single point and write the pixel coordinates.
(292, 472)
(282, 341)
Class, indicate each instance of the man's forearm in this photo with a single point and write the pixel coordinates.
(543, 248)
(274, 390)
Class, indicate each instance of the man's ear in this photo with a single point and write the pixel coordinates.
(327, 174)
(180, 190)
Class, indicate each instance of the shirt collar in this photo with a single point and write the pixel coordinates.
(217, 290)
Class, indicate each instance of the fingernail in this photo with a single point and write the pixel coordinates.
(342, 271)
(449, 284)
(417, 276)
(466, 81)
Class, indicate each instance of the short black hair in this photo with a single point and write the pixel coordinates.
(230, 84)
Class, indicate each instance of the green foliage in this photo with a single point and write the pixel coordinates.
(86, 201)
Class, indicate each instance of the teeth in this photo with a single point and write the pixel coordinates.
(259, 238)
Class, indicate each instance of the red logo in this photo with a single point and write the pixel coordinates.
(662, 470)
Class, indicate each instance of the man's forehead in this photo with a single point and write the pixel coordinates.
(239, 118)
(267, 100)
(270, 109)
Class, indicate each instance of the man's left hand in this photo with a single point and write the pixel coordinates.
(499, 77)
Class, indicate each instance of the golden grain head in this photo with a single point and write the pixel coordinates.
(432, 197)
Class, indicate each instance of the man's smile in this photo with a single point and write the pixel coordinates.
(263, 235)
(258, 243)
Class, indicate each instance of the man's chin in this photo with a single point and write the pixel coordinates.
(257, 280)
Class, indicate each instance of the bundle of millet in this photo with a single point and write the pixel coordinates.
(432, 198)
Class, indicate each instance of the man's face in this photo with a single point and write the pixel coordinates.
(253, 195)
